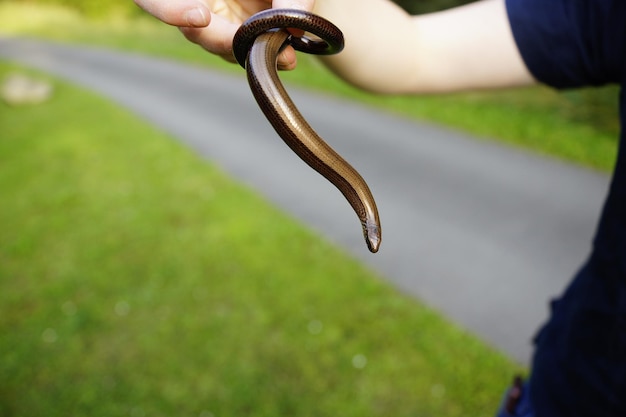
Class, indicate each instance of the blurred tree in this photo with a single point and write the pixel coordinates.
(425, 6)
(92, 7)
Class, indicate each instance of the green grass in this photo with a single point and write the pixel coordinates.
(138, 280)
(578, 126)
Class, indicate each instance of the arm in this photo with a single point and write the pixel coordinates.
(468, 47)
(387, 50)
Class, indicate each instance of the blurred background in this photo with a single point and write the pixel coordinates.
(138, 279)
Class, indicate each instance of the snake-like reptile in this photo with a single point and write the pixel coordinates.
(256, 47)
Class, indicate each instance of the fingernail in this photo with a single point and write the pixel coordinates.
(196, 17)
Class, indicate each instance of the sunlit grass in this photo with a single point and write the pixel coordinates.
(577, 126)
(29, 18)
(136, 279)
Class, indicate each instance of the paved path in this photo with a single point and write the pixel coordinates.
(485, 234)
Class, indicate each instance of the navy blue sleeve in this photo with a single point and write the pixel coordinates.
(571, 43)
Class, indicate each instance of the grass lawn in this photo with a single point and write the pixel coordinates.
(137, 280)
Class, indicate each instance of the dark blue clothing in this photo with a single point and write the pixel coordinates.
(523, 408)
(579, 366)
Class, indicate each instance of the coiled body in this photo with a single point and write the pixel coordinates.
(256, 47)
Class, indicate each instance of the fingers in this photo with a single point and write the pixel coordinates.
(184, 13)
(214, 29)
(217, 38)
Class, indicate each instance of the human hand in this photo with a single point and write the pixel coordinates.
(213, 23)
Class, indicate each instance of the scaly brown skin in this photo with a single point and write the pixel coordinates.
(256, 47)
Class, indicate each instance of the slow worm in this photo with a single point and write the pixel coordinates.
(256, 47)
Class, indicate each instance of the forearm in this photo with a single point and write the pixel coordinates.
(373, 58)
(388, 51)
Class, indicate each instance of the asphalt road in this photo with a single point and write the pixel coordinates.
(485, 234)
